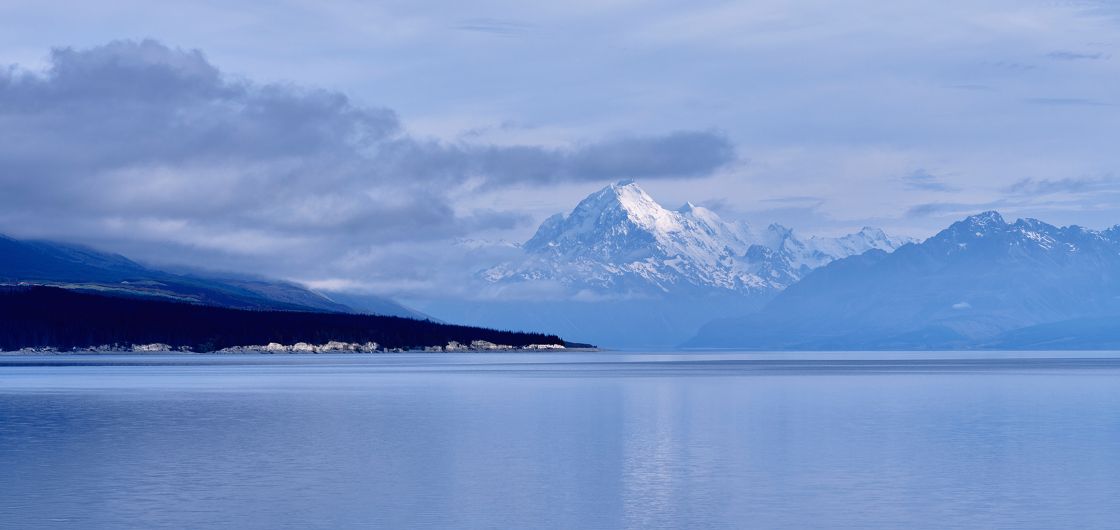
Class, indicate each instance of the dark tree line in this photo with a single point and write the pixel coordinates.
(36, 317)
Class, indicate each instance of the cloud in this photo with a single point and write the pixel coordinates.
(1088, 209)
(140, 142)
(952, 208)
(922, 180)
(1037, 187)
(1067, 102)
(678, 154)
(494, 26)
(1063, 55)
(1012, 66)
(973, 87)
(1107, 9)
(795, 199)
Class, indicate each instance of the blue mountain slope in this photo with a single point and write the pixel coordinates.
(82, 268)
(971, 285)
(44, 260)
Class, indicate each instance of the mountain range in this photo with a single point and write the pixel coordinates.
(982, 282)
(622, 270)
(619, 242)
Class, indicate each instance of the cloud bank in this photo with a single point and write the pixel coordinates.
(143, 143)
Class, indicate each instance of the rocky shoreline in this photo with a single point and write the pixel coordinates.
(331, 347)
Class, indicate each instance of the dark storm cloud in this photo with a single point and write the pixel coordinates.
(141, 138)
(137, 102)
(121, 128)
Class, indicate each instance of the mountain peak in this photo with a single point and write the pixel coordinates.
(780, 231)
(988, 218)
(616, 192)
(621, 188)
(630, 199)
(620, 209)
(1034, 224)
(974, 226)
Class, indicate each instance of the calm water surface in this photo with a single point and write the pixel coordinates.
(979, 440)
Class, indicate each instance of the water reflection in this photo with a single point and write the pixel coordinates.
(619, 440)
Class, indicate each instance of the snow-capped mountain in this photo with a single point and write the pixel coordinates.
(981, 282)
(620, 241)
(620, 270)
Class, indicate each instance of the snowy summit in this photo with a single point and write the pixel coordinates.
(620, 241)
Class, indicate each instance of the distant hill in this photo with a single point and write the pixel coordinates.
(38, 317)
(81, 268)
(980, 283)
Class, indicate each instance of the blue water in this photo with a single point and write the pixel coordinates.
(561, 441)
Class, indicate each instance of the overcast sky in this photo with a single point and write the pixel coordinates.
(354, 142)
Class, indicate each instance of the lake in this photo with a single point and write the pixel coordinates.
(573, 440)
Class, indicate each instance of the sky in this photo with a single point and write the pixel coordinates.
(373, 145)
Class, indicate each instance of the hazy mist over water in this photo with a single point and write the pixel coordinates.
(590, 440)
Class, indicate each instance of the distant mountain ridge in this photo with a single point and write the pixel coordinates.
(619, 241)
(81, 268)
(982, 282)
